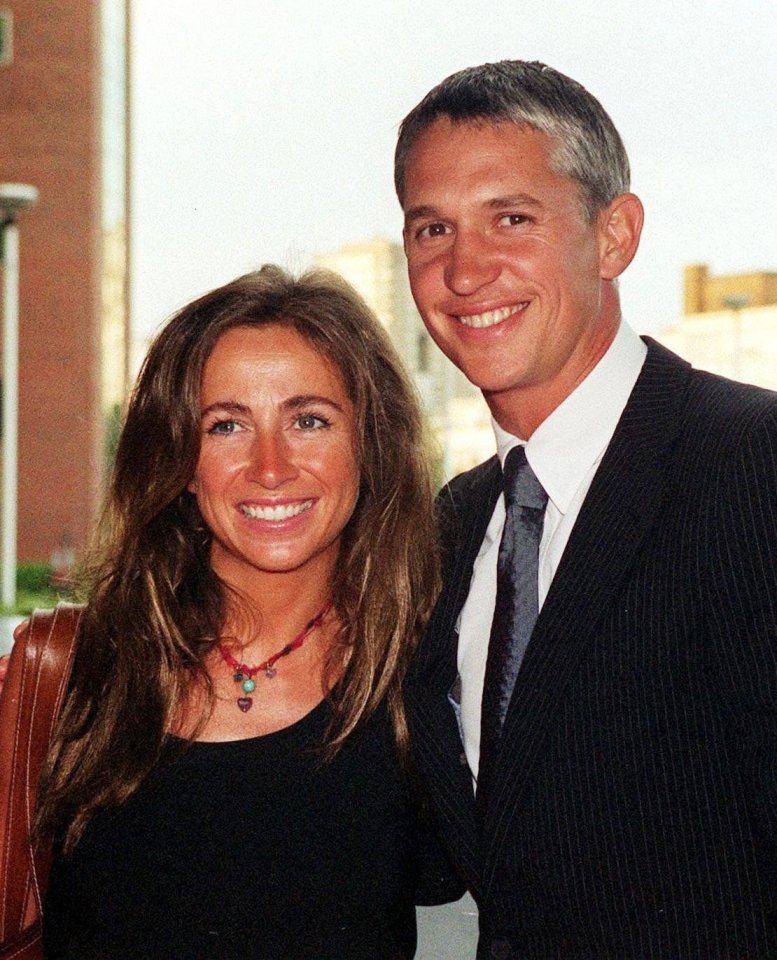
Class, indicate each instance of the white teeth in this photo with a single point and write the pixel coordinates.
(491, 317)
(284, 512)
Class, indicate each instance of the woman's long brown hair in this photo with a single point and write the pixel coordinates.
(155, 606)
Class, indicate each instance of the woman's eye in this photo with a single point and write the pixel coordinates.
(309, 421)
(224, 427)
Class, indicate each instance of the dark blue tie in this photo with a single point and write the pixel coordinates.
(515, 612)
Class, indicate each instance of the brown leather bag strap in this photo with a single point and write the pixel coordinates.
(38, 673)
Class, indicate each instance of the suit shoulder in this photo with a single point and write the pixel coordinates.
(725, 447)
(710, 408)
(725, 408)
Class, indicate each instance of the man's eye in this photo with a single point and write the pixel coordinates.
(513, 219)
(433, 230)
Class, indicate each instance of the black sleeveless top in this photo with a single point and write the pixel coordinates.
(250, 849)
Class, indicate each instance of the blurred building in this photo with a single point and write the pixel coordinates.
(455, 409)
(64, 120)
(703, 293)
(729, 326)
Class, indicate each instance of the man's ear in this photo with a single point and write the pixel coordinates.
(620, 228)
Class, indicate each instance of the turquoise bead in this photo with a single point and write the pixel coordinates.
(248, 685)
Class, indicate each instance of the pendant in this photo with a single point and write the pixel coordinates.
(245, 703)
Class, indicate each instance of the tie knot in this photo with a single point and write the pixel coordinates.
(522, 488)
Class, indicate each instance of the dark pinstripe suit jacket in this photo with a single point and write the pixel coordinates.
(634, 812)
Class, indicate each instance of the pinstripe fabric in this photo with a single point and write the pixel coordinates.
(438, 746)
(634, 812)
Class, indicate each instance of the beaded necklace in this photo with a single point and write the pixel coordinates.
(244, 675)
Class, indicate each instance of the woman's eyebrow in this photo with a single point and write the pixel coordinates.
(306, 399)
(225, 406)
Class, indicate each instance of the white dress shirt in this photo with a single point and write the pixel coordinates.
(564, 452)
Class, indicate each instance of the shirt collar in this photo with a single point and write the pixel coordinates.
(567, 444)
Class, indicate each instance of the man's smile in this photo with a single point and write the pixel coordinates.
(490, 317)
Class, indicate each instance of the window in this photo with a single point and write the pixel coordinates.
(6, 36)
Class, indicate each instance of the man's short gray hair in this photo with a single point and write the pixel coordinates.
(586, 146)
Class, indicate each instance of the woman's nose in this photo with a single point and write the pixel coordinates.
(272, 463)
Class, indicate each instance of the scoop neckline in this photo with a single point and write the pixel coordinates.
(311, 715)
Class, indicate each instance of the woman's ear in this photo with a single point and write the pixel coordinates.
(620, 225)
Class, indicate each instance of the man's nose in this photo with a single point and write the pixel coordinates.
(272, 463)
(472, 263)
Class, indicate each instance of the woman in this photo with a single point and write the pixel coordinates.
(228, 778)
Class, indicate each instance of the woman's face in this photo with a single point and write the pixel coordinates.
(277, 476)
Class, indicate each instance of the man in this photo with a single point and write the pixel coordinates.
(627, 806)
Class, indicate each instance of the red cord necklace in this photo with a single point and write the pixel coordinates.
(244, 675)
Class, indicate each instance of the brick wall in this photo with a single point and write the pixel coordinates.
(49, 137)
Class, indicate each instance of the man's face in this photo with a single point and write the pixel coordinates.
(504, 267)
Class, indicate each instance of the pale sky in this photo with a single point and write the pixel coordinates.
(265, 129)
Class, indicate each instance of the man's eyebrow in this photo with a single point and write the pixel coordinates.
(423, 211)
(417, 213)
(513, 200)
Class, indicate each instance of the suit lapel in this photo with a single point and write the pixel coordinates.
(620, 508)
(465, 509)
